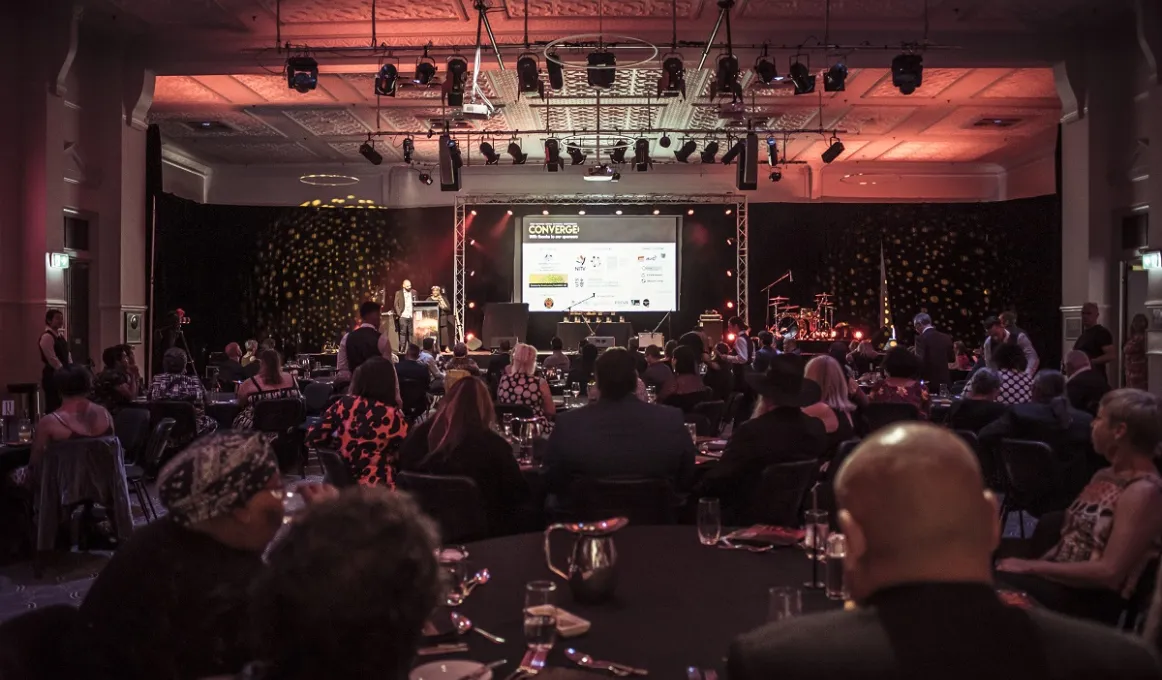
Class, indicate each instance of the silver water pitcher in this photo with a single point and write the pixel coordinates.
(592, 569)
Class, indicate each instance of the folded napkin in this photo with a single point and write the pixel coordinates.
(766, 534)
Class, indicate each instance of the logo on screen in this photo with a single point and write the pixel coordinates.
(636, 303)
(549, 303)
(537, 229)
(646, 302)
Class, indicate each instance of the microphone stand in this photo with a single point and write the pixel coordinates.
(570, 309)
(815, 549)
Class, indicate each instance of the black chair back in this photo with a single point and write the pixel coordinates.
(1134, 616)
(454, 502)
(701, 423)
(780, 492)
(714, 412)
(156, 446)
(642, 500)
(735, 405)
(132, 428)
(515, 410)
(877, 415)
(183, 414)
(35, 645)
(984, 455)
(336, 472)
(315, 397)
(414, 394)
(278, 415)
(1033, 477)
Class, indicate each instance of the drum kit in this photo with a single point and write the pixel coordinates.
(801, 322)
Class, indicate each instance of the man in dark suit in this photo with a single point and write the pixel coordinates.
(934, 349)
(618, 435)
(1086, 386)
(920, 531)
(780, 433)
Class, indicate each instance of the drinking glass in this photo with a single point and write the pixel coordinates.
(944, 393)
(540, 615)
(575, 390)
(709, 521)
(453, 561)
(784, 602)
(692, 428)
(651, 394)
(24, 431)
(292, 503)
(836, 552)
(815, 539)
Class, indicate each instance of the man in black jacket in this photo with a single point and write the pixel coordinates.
(920, 531)
(934, 349)
(978, 407)
(1086, 386)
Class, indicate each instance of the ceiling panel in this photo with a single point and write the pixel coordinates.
(1021, 83)
(327, 122)
(331, 11)
(273, 88)
(184, 90)
(661, 9)
(239, 123)
(935, 81)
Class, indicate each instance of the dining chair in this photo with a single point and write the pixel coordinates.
(414, 394)
(132, 428)
(986, 457)
(642, 500)
(336, 471)
(714, 412)
(315, 398)
(878, 415)
(1033, 480)
(780, 491)
(136, 474)
(281, 418)
(454, 502)
(185, 419)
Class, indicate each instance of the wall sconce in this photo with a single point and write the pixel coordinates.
(58, 260)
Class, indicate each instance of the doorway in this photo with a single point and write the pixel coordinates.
(77, 301)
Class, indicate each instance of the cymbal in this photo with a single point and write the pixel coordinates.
(790, 308)
(779, 300)
(824, 295)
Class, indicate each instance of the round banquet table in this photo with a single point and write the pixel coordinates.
(678, 603)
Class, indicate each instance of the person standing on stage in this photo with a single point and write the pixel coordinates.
(446, 322)
(362, 343)
(403, 312)
(54, 353)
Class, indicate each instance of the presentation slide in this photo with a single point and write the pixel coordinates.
(599, 264)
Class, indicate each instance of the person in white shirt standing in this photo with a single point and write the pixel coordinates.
(403, 312)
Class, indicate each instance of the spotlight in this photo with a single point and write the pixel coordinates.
(729, 272)
(690, 211)
(385, 80)
(473, 241)
(657, 212)
(908, 72)
(729, 156)
(618, 153)
(726, 80)
(673, 80)
(556, 71)
(580, 212)
(601, 173)
(426, 178)
(709, 153)
(729, 211)
(450, 163)
(528, 73)
(772, 150)
(471, 305)
(833, 151)
(765, 71)
(453, 86)
(683, 155)
(544, 212)
(425, 71)
(803, 78)
(302, 74)
(775, 176)
(729, 304)
(518, 158)
(641, 155)
(553, 161)
(509, 213)
(835, 80)
(575, 153)
(664, 141)
(616, 212)
(367, 150)
(601, 71)
(489, 153)
(409, 149)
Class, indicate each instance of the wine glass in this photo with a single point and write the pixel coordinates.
(575, 390)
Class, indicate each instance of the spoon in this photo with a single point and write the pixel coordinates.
(464, 624)
(586, 661)
(483, 576)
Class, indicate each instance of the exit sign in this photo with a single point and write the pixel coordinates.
(1152, 260)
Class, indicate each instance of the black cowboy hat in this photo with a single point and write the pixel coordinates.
(783, 383)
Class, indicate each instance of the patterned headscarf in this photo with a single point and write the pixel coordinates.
(214, 475)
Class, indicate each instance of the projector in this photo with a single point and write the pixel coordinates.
(476, 111)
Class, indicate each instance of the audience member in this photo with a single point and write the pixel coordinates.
(498, 365)
(658, 373)
(639, 357)
(362, 343)
(347, 591)
(461, 361)
(686, 389)
(410, 368)
(231, 371)
(1134, 353)
(270, 383)
(978, 405)
(174, 385)
(459, 440)
(115, 387)
(429, 357)
(720, 376)
(1016, 382)
(779, 432)
(583, 374)
(668, 350)
(1095, 340)
(766, 351)
(251, 353)
(920, 532)
(838, 351)
(75, 418)
(557, 360)
(172, 602)
(964, 357)
(1086, 386)
(522, 386)
(999, 336)
(1114, 527)
(834, 407)
(864, 359)
(618, 435)
(365, 425)
(934, 350)
(901, 383)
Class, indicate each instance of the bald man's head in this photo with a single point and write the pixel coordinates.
(913, 504)
(1076, 360)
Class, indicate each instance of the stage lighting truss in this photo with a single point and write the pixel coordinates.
(600, 69)
(528, 73)
(302, 73)
(672, 83)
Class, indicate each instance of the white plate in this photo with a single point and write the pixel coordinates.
(452, 669)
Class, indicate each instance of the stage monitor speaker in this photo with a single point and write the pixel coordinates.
(505, 320)
(644, 340)
(450, 162)
(602, 341)
(713, 331)
(747, 170)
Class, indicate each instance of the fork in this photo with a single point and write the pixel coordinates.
(530, 665)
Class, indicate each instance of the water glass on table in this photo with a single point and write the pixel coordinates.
(816, 528)
(709, 521)
(540, 615)
(836, 555)
(24, 431)
(784, 602)
(692, 428)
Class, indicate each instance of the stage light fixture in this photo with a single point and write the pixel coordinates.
(835, 80)
(450, 163)
(453, 87)
(641, 155)
(601, 72)
(618, 153)
(425, 71)
(775, 176)
(766, 72)
(575, 153)
(509, 212)
(772, 150)
(907, 72)
(385, 80)
(732, 153)
(803, 79)
(726, 78)
(690, 211)
(425, 178)
(616, 212)
(528, 73)
(514, 150)
(556, 71)
(833, 151)
(553, 161)
(409, 149)
(710, 152)
(657, 212)
(489, 153)
(683, 155)
(664, 142)
(601, 173)
(729, 211)
(473, 241)
(471, 305)
(729, 304)
(673, 80)
(367, 150)
(580, 212)
(302, 73)
(615, 177)
(544, 212)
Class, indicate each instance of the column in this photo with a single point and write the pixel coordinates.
(1149, 16)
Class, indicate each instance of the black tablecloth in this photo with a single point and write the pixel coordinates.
(678, 603)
